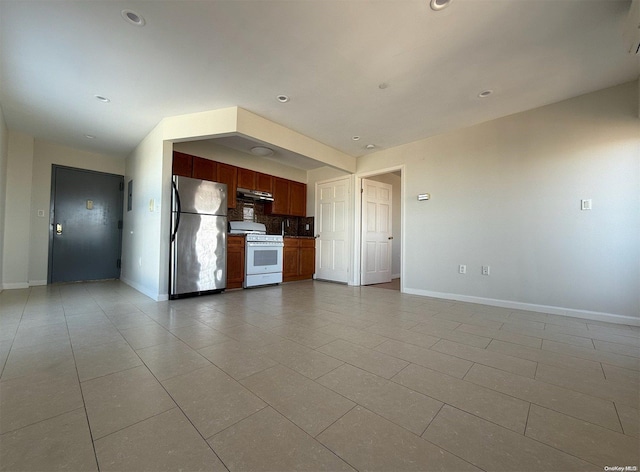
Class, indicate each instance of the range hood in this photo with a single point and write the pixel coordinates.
(254, 195)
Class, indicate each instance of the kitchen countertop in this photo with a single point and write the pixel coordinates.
(292, 237)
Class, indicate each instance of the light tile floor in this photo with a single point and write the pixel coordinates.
(308, 376)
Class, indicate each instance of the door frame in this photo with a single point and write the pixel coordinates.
(356, 268)
(350, 226)
(52, 216)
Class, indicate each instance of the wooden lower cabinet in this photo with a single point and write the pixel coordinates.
(299, 259)
(235, 261)
(307, 258)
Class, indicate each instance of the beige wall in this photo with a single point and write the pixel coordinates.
(4, 142)
(15, 264)
(507, 193)
(145, 251)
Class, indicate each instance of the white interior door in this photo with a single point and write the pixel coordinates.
(332, 224)
(377, 237)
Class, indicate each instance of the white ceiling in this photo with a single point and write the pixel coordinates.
(329, 56)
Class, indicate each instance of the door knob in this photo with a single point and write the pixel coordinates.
(58, 228)
(390, 237)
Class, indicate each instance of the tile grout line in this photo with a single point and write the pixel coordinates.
(432, 419)
(526, 422)
(180, 408)
(615, 407)
(84, 403)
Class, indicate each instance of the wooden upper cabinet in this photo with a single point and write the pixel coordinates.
(182, 164)
(246, 178)
(297, 199)
(289, 198)
(280, 205)
(204, 169)
(228, 174)
(264, 182)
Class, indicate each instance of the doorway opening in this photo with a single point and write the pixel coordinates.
(85, 231)
(380, 235)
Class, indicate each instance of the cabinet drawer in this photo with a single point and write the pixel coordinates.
(235, 241)
(291, 242)
(307, 242)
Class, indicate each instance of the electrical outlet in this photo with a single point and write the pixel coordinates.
(486, 270)
(462, 269)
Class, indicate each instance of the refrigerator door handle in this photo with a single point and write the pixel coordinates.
(178, 208)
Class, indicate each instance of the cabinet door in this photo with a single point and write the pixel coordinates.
(182, 164)
(297, 199)
(290, 262)
(280, 205)
(235, 261)
(204, 169)
(229, 175)
(307, 258)
(246, 178)
(264, 182)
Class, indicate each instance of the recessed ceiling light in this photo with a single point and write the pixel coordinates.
(132, 17)
(282, 98)
(102, 99)
(262, 151)
(438, 5)
(383, 85)
(88, 136)
(370, 146)
(356, 138)
(485, 93)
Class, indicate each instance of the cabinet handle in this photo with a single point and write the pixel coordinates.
(58, 228)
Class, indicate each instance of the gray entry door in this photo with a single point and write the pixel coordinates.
(86, 225)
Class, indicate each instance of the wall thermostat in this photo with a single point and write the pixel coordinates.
(423, 196)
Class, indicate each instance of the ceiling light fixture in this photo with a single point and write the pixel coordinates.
(383, 85)
(132, 17)
(261, 151)
(356, 138)
(438, 5)
(370, 146)
(102, 99)
(282, 98)
(485, 93)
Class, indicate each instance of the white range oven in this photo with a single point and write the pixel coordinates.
(263, 254)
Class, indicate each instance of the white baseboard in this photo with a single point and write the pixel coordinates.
(145, 291)
(395, 276)
(552, 310)
(36, 283)
(14, 285)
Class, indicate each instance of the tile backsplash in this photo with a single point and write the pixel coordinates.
(293, 225)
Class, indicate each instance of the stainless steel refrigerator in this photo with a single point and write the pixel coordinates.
(198, 237)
